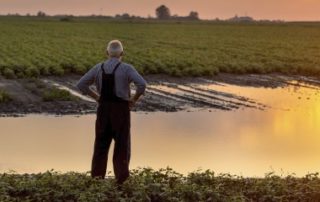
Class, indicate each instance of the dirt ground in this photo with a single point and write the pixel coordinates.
(164, 93)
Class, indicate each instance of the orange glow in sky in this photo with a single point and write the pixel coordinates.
(208, 9)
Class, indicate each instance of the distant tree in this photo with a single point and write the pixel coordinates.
(41, 14)
(193, 15)
(163, 12)
(125, 16)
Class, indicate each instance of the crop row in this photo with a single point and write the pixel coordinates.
(29, 48)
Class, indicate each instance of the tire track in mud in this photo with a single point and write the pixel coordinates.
(170, 97)
(311, 81)
(239, 100)
(174, 94)
(152, 101)
(206, 94)
(71, 91)
(196, 101)
(224, 94)
(196, 96)
(157, 99)
(164, 93)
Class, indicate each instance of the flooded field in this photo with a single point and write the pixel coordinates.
(254, 130)
(164, 93)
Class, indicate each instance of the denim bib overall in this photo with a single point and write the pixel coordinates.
(113, 122)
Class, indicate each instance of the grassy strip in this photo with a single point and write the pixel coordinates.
(4, 96)
(52, 47)
(163, 185)
(54, 94)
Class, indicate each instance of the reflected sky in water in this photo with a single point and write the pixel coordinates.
(284, 138)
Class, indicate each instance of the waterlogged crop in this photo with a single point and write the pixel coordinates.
(4, 96)
(163, 185)
(30, 47)
(55, 94)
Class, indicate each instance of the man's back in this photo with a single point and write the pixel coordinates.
(124, 75)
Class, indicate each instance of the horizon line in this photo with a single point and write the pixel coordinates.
(146, 17)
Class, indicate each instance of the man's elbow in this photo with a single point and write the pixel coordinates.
(142, 88)
(82, 88)
(78, 85)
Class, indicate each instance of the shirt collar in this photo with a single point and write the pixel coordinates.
(113, 59)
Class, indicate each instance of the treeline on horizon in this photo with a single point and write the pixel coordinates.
(162, 13)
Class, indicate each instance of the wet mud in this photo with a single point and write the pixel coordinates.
(164, 93)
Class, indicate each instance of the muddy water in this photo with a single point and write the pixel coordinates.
(283, 137)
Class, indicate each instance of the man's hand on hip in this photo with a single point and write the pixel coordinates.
(132, 103)
(94, 95)
(133, 100)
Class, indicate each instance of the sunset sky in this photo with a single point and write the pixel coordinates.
(208, 9)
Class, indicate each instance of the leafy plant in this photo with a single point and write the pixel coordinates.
(146, 184)
(54, 94)
(4, 96)
(52, 47)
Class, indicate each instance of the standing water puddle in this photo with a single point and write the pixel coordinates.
(283, 137)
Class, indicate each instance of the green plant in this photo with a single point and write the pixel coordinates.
(52, 47)
(8, 73)
(4, 96)
(54, 94)
(146, 184)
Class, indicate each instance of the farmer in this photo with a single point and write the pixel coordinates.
(112, 79)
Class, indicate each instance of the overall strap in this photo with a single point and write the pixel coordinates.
(102, 68)
(116, 67)
(114, 70)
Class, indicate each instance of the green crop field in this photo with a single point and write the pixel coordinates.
(162, 185)
(31, 46)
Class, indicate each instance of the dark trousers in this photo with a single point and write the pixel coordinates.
(113, 122)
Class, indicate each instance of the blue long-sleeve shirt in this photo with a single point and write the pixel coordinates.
(124, 75)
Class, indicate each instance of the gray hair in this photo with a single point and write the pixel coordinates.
(115, 48)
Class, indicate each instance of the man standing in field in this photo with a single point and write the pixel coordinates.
(112, 79)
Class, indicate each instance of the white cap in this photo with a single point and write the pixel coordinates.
(115, 48)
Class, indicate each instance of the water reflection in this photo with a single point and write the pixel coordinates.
(248, 141)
